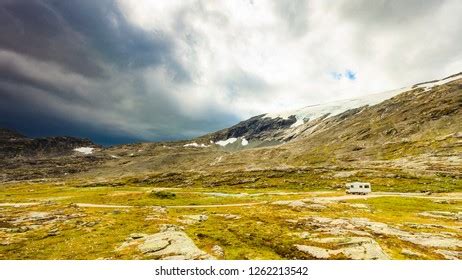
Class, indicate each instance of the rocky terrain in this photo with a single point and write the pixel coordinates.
(271, 187)
(300, 123)
(28, 158)
(13, 144)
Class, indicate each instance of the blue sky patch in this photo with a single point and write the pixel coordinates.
(350, 75)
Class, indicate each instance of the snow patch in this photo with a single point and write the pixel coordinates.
(244, 142)
(226, 142)
(194, 144)
(85, 150)
(297, 123)
(429, 85)
(330, 109)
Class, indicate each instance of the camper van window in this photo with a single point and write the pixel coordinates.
(361, 187)
(366, 187)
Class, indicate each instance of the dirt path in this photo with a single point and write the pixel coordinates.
(91, 205)
(450, 196)
(19, 204)
(218, 205)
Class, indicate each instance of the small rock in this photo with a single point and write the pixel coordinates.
(135, 236)
(450, 255)
(218, 251)
(359, 206)
(444, 201)
(422, 226)
(53, 232)
(304, 235)
(316, 252)
(442, 215)
(169, 227)
(160, 209)
(281, 202)
(412, 254)
(344, 174)
(193, 219)
(457, 135)
(90, 224)
(297, 204)
(316, 207)
(229, 216)
(5, 242)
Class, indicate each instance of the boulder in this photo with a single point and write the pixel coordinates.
(355, 248)
(194, 219)
(442, 215)
(316, 252)
(218, 251)
(450, 255)
(412, 254)
(229, 216)
(172, 245)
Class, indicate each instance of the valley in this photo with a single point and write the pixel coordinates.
(231, 218)
(271, 187)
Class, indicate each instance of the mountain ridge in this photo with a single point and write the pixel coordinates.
(284, 126)
(416, 130)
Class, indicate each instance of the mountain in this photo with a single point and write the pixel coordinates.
(14, 144)
(420, 127)
(416, 129)
(276, 128)
(27, 158)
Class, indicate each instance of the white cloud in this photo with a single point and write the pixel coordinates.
(217, 39)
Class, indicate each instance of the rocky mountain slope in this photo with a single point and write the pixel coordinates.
(418, 130)
(423, 123)
(284, 126)
(14, 144)
(414, 129)
(25, 158)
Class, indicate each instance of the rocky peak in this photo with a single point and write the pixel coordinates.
(8, 134)
(13, 144)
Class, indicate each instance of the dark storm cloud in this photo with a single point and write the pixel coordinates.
(78, 34)
(76, 68)
(36, 121)
(33, 28)
(116, 40)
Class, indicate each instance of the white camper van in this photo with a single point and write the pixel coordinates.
(358, 188)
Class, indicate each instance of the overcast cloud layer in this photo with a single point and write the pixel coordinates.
(122, 71)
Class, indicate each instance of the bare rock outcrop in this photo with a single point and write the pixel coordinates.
(355, 248)
(171, 243)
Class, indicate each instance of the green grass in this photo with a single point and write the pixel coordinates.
(262, 232)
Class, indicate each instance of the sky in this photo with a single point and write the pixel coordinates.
(120, 71)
